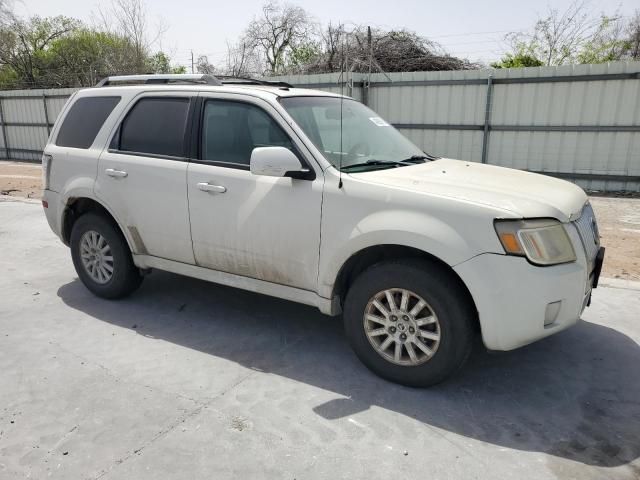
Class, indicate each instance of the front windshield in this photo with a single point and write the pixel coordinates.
(366, 140)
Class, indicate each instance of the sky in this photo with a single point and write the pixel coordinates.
(472, 29)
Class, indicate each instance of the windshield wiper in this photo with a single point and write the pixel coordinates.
(377, 163)
(419, 158)
(412, 160)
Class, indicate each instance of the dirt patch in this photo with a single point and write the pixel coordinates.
(618, 218)
(619, 225)
(20, 179)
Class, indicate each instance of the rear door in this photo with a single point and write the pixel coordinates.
(262, 227)
(142, 175)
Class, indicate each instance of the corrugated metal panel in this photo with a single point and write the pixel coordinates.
(446, 114)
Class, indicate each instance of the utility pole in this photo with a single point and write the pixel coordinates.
(192, 70)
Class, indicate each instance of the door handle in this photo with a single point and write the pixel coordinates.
(115, 173)
(207, 187)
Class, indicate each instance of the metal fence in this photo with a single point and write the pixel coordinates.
(576, 122)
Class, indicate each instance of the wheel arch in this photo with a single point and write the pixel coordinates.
(369, 256)
(75, 207)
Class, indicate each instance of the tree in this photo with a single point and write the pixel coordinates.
(24, 45)
(571, 36)
(606, 44)
(128, 19)
(633, 37)
(277, 32)
(161, 63)
(61, 52)
(523, 56)
(203, 65)
(84, 56)
(242, 60)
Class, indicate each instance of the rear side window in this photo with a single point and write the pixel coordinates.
(84, 120)
(156, 126)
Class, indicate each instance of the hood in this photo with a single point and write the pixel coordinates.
(525, 194)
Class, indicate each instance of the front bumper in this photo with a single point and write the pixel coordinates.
(519, 303)
(515, 299)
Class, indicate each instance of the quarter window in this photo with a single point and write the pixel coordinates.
(231, 130)
(156, 126)
(84, 120)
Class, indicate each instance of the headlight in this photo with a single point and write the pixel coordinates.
(543, 241)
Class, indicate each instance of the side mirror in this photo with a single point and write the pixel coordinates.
(276, 162)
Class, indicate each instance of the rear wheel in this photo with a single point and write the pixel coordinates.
(410, 322)
(102, 258)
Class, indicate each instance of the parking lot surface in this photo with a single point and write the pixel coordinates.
(187, 379)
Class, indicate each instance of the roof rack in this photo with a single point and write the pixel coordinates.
(160, 79)
(231, 80)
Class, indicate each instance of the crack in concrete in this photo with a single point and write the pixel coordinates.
(117, 378)
(187, 416)
(169, 428)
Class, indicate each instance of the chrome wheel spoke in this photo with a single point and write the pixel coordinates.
(429, 335)
(404, 301)
(390, 300)
(384, 345)
(418, 307)
(424, 348)
(411, 352)
(425, 320)
(380, 308)
(397, 354)
(377, 332)
(96, 257)
(376, 319)
(407, 323)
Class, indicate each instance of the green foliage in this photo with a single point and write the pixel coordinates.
(61, 52)
(574, 37)
(161, 63)
(517, 61)
(606, 44)
(303, 54)
(523, 56)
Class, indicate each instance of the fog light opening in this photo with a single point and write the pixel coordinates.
(551, 312)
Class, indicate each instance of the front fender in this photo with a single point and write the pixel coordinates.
(413, 229)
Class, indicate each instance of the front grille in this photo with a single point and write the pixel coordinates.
(588, 230)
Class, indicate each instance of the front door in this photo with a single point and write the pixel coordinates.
(261, 227)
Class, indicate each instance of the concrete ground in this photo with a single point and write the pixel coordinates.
(191, 380)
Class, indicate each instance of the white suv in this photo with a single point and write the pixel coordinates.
(312, 197)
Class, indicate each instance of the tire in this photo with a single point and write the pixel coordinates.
(445, 323)
(124, 277)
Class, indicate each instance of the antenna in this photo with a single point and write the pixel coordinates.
(342, 69)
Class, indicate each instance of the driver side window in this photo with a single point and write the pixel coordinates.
(231, 130)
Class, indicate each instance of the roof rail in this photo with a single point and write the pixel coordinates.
(161, 79)
(232, 79)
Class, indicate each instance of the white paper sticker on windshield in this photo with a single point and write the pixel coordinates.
(379, 121)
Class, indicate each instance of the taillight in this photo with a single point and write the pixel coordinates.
(46, 170)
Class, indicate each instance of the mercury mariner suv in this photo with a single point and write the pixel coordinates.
(312, 197)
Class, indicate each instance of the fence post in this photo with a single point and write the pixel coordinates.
(46, 112)
(365, 91)
(487, 120)
(4, 131)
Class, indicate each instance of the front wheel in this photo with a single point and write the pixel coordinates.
(102, 257)
(410, 322)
